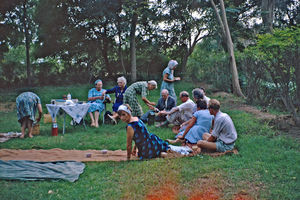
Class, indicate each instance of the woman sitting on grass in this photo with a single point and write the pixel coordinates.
(200, 123)
(149, 145)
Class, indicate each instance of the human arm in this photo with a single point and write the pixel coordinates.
(165, 78)
(211, 139)
(39, 106)
(93, 97)
(134, 150)
(130, 133)
(148, 103)
(191, 124)
(175, 109)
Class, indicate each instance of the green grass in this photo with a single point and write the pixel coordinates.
(267, 166)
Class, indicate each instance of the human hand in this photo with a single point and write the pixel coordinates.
(133, 152)
(152, 103)
(177, 78)
(181, 137)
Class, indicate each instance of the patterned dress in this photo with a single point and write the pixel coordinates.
(27, 105)
(168, 85)
(130, 97)
(149, 145)
(119, 96)
(96, 105)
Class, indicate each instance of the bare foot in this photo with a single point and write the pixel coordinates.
(22, 136)
(97, 125)
(30, 136)
(93, 124)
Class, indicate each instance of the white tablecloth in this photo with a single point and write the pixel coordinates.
(76, 111)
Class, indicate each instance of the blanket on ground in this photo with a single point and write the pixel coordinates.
(31, 170)
(51, 155)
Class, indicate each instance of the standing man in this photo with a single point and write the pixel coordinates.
(223, 134)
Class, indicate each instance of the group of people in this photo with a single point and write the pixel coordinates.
(198, 122)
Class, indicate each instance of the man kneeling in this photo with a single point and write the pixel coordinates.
(223, 134)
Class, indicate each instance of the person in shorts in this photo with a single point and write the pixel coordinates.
(223, 135)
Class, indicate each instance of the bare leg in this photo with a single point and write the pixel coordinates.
(97, 119)
(175, 141)
(92, 118)
(23, 127)
(29, 125)
(205, 136)
(207, 145)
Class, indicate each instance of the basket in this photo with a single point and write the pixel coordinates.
(36, 129)
(47, 118)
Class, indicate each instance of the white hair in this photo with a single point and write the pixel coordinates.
(122, 79)
(164, 91)
(153, 82)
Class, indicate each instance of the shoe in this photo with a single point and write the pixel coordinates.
(114, 121)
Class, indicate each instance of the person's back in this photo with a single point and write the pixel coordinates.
(224, 128)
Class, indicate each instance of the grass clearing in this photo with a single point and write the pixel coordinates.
(267, 166)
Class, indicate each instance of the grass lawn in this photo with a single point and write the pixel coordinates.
(267, 166)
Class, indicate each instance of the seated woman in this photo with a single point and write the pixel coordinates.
(27, 104)
(200, 123)
(119, 91)
(96, 98)
(149, 145)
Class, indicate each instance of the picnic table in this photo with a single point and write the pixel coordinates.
(76, 111)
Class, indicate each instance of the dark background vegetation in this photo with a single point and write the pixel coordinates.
(59, 42)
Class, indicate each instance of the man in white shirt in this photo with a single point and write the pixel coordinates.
(183, 112)
(223, 135)
(202, 90)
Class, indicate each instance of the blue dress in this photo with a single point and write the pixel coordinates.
(149, 145)
(119, 96)
(96, 105)
(26, 104)
(202, 125)
(168, 85)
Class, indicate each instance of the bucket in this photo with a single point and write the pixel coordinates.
(36, 129)
(54, 129)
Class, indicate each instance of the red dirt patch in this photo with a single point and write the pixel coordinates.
(207, 194)
(167, 192)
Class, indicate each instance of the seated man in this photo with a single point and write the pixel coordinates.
(165, 103)
(223, 134)
(202, 90)
(181, 113)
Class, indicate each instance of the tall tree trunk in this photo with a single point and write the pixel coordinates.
(132, 47)
(267, 14)
(226, 32)
(27, 43)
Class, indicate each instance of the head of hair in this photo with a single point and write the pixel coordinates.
(172, 64)
(153, 82)
(201, 104)
(164, 91)
(184, 94)
(197, 94)
(97, 81)
(214, 104)
(129, 108)
(122, 79)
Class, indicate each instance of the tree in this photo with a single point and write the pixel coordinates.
(227, 37)
(267, 13)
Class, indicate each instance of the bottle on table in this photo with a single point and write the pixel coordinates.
(69, 97)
